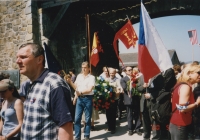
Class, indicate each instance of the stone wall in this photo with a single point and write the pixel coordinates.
(18, 25)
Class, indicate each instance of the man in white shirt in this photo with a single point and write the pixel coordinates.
(111, 112)
(84, 85)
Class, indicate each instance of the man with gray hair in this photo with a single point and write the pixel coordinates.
(111, 112)
(47, 104)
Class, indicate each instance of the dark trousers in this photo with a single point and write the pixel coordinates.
(159, 130)
(111, 116)
(178, 132)
(129, 110)
(136, 110)
(146, 121)
(120, 105)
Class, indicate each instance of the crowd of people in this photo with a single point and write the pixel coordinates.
(52, 106)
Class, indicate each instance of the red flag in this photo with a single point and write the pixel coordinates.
(96, 48)
(193, 36)
(153, 57)
(127, 35)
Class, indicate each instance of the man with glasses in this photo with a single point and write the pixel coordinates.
(48, 104)
(128, 98)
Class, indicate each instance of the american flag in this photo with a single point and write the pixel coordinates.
(193, 36)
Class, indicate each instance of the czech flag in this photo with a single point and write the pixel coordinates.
(153, 57)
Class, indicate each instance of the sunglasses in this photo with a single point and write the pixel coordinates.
(130, 70)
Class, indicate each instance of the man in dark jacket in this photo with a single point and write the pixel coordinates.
(150, 93)
(128, 100)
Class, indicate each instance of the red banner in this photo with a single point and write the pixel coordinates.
(127, 35)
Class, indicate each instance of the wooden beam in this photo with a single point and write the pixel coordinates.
(57, 19)
(56, 3)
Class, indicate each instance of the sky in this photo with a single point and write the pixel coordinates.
(173, 31)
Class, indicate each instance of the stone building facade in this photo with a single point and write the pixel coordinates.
(22, 21)
(16, 27)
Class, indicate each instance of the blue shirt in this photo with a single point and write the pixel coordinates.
(46, 108)
(10, 120)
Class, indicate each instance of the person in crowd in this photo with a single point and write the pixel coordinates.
(183, 102)
(126, 82)
(136, 100)
(123, 71)
(117, 74)
(48, 101)
(12, 111)
(111, 112)
(105, 75)
(195, 62)
(196, 113)
(3, 76)
(72, 73)
(177, 70)
(84, 85)
(150, 92)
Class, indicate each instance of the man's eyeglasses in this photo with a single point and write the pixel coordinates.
(130, 70)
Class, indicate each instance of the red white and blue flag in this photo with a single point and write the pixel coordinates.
(193, 36)
(153, 57)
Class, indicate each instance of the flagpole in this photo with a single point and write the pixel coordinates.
(192, 54)
(88, 39)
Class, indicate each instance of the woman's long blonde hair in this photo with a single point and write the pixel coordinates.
(184, 77)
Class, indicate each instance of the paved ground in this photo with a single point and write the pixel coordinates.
(121, 131)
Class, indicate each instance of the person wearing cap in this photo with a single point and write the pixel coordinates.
(11, 112)
(47, 107)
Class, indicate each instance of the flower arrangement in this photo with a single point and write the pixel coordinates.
(133, 88)
(104, 95)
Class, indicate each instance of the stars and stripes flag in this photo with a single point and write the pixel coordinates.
(193, 36)
(153, 57)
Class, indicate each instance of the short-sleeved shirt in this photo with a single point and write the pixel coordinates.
(46, 108)
(24, 88)
(84, 82)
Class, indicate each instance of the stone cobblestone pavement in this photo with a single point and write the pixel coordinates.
(120, 134)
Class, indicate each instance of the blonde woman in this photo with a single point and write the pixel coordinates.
(183, 102)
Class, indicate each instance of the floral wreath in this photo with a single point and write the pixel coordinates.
(104, 95)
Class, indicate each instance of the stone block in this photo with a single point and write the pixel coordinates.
(10, 10)
(24, 23)
(17, 22)
(6, 34)
(28, 10)
(30, 29)
(30, 21)
(2, 29)
(18, 3)
(22, 37)
(22, 33)
(15, 28)
(1, 41)
(3, 9)
(23, 29)
(9, 25)
(29, 37)
(15, 41)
